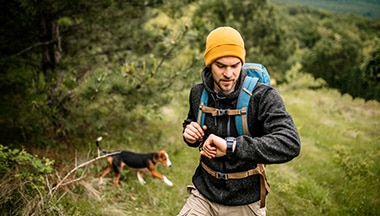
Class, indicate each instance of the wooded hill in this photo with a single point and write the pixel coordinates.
(70, 68)
(366, 8)
(74, 70)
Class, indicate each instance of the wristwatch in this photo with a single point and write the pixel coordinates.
(230, 142)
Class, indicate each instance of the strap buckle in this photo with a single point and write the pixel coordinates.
(222, 112)
(220, 175)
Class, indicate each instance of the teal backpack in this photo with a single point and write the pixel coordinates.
(255, 73)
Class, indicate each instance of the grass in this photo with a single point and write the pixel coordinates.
(336, 173)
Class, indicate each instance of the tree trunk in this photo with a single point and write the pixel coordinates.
(51, 51)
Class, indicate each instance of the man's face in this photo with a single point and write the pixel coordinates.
(225, 71)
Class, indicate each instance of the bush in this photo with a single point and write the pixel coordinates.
(23, 182)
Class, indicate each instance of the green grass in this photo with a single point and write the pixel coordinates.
(336, 173)
(337, 170)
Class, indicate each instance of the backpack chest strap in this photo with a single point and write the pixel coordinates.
(220, 112)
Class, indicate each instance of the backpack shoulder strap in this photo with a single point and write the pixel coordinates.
(243, 104)
(202, 103)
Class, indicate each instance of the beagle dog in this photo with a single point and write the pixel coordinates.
(136, 161)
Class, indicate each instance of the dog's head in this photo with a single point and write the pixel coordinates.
(163, 158)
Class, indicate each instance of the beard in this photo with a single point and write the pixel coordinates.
(225, 86)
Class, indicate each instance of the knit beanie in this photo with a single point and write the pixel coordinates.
(224, 41)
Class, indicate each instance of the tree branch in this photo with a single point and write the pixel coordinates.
(33, 46)
(63, 183)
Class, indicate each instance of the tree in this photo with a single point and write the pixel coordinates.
(337, 58)
(84, 58)
(371, 74)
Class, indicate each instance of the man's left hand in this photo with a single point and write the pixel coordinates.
(214, 146)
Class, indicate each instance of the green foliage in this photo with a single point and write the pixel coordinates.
(336, 49)
(304, 80)
(368, 8)
(110, 40)
(370, 72)
(23, 181)
(110, 63)
(112, 67)
(328, 63)
(26, 166)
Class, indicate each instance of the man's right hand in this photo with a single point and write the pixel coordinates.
(194, 132)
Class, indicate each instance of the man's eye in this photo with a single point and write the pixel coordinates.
(236, 65)
(220, 66)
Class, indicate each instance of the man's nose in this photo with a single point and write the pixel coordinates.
(228, 72)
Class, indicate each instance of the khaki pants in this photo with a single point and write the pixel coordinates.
(198, 205)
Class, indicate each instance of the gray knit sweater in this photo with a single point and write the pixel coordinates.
(274, 140)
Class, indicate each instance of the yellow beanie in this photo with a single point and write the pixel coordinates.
(221, 42)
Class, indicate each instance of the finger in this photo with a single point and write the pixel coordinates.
(193, 132)
(210, 150)
(204, 127)
(190, 132)
(204, 153)
(189, 136)
(197, 129)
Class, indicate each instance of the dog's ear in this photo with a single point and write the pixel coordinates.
(160, 155)
(156, 156)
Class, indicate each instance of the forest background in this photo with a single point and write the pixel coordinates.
(75, 70)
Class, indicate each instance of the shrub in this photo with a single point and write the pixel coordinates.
(23, 182)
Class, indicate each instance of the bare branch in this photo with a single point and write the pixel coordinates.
(63, 183)
(33, 46)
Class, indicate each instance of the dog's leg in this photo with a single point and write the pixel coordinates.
(116, 180)
(107, 170)
(140, 177)
(167, 181)
(154, 173)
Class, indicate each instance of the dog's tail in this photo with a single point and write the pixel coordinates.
(100, 148)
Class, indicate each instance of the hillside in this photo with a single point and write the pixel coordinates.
(367, 8)
(124, 72)
(330, 177)
(336, 173)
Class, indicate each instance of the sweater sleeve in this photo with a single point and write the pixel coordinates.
(275, 137)
(192, 113)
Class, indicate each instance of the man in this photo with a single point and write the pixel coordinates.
(274, 138)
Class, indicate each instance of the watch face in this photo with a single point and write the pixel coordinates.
(230, 142)
(230, 139)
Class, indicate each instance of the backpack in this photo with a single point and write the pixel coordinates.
(255, 73)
